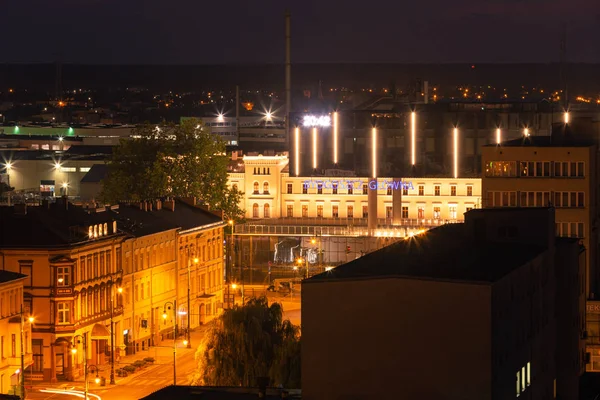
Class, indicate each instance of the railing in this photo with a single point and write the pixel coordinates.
(404, 229)
(314, 221)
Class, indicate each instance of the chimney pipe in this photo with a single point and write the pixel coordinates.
(288, 77)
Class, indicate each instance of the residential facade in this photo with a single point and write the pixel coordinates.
(71, 258)
(15, 331)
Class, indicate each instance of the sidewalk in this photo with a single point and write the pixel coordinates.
(162, 354)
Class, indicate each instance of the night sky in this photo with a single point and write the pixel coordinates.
(234, 31)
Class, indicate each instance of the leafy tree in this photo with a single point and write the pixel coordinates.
(249, 342)
(177, 160)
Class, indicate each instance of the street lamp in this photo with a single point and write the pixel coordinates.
(85, 366)
(188, 342)
(112, 332)
(22, 372)
(168, 305)
(91, 368)
(230, 259)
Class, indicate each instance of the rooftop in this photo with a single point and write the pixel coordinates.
(55, 225)
(8, 276)
(445, 253)
(217, 393)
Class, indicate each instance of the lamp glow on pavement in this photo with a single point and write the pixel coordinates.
(75, 393)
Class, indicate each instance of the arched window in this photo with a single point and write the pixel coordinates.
(266, 188)
(255, 187)
(267, 211)
(255, 211)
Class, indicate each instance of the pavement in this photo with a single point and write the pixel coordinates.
(136, 385)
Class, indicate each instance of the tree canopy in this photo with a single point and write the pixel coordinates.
(249, 342)
(177, 160)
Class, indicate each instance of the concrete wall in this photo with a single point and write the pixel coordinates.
(396, 338)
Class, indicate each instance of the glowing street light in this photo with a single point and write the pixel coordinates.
(335, 137)
(455, 153)
(374, 155)
(413, 138)
(297, 150)
(498, 136)
(526, 132)
(567, 117)
(269, 116)
(60, 138)
(57, 165)
(314, 148)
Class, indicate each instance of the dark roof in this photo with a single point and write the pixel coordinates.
(140, 223)
(55, 155)
(55, 225)
(96, 174)
(89, 150)
(446, 253)
(7, 276)
(546, 141)
(215, 393)
(41, 137)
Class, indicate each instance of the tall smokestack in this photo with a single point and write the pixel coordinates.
(288, 77)
(237, 112)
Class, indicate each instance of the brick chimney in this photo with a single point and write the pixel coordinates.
(169, 205)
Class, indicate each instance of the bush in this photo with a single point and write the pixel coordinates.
(121, 372)
(139, 364)
(149, 360)
(129, 368)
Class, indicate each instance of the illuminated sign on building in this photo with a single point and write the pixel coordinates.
(357, 184)
(317, 120)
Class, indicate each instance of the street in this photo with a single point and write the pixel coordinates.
(136, 385)
(154, 377)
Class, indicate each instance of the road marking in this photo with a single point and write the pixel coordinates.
(76, 393)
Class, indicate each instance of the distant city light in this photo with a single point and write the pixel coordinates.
(312, 120)
(269, 116)
(60, 138)
(566, 117)
(220, 117)
(526, 132)
(498, 136)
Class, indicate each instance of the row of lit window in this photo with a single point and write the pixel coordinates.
(535, 199)
(535, 169)
(437, 211)
(365, 189)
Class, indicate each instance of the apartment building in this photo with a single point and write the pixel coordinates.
(13, 318)
(71, 258)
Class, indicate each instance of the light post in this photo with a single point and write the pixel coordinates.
(22, 372)
(168, 305)
(305, 261)
(112, 332)
(230, 259)
(189, 313)
(85, 366)
(93, 368)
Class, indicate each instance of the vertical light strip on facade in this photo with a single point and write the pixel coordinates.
(566, 117)
(413, 138)
(297, 150)
(315, 148)
(374, 144)
(335, 137)
(498, 136)
(455, 153)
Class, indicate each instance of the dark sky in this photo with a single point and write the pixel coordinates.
(235, 31)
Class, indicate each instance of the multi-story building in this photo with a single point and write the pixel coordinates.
(71, 258)
(558, 170)
(15, 331)
(173, 246)
(492, 308)
(270, 192)
(93, 271)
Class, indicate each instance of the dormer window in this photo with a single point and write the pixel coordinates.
(105, 229)
(91, 232)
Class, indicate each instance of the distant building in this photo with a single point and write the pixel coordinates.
(11, 295)
(492, 308)
(558, 170)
